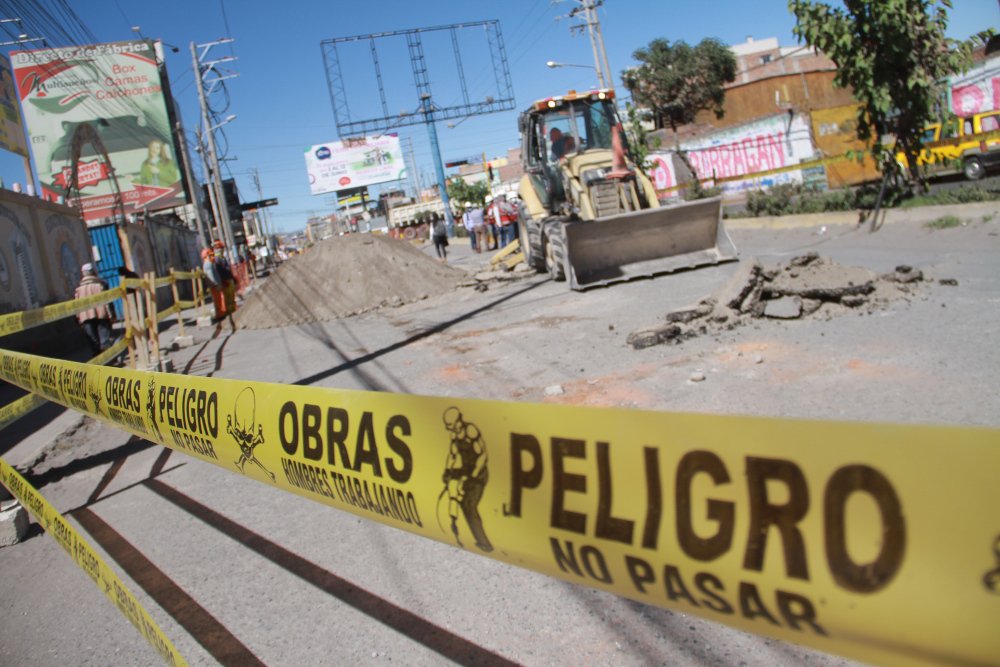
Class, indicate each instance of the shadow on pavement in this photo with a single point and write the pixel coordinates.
(350, 364)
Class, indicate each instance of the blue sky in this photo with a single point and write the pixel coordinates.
(282, 100)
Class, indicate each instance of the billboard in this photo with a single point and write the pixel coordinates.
(116, 89)
(11, 133)
(352, 163)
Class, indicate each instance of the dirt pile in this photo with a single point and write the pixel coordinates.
(805, 286)
(344, 276)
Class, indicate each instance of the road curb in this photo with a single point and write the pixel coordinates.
(974, 212)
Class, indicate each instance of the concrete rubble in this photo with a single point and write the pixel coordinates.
(805, 286)
(13, 522)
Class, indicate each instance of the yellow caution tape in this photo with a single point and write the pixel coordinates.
(16, 409)
(876, 541)
(188, 275)
(89, 561)
(163, 281)
(22, 406)
(164, 314)
(27, 319)
(134, 283)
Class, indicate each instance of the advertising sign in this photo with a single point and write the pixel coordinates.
(114, 88)
(343, 165)
(11, 133)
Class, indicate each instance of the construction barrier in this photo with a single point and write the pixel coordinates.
(136, 324)
(879, 542)
(89, 561)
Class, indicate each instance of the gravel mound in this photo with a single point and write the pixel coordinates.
(344, 276)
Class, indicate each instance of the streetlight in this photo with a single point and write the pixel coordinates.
(228, 119)
(552, 64)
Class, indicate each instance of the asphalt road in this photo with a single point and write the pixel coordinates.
(234, 571)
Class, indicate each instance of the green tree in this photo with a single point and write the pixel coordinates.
(638, 138)
(895, 56)
(461, 192)
(676, 81)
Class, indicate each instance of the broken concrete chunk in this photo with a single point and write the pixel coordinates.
(651, 336)
(909, 275)
(804, 260)
(751, 301)
(951, 282)
(785, 308)
(854, 300)
(697, 376)
(810, 306)
(13, 523)
(703, 309)
(739, 285)
(555, 390)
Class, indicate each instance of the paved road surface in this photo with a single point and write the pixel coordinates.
(235, 572)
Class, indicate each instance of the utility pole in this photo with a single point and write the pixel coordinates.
(265, 230)
(221, 211)
(587, 10)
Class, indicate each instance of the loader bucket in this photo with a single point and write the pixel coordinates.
(645, 243)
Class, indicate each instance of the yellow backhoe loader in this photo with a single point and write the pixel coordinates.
(589, 215)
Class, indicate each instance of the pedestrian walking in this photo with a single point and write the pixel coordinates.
(478, 227)
(469, 226)
(439, 233)
(96, 321)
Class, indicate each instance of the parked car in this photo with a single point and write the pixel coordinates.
(960, 145)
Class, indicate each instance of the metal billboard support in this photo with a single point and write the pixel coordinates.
(429, 112)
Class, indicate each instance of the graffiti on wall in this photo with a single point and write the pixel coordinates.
(774, 142)
(978, 90)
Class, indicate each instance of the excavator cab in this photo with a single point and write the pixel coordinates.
(590, 215)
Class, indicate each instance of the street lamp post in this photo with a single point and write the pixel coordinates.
(551, 64)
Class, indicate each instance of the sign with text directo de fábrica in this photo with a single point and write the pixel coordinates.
(879, 542)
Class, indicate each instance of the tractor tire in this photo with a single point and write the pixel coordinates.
(555, 250)
(531, 243)
(973, 168)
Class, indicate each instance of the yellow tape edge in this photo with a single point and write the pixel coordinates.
(14, 410)
(88, 560)
(27, 319)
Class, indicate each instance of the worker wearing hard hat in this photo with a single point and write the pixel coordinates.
(213, 281)
(492, 230)
(225, 270)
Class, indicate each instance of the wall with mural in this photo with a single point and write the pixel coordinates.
(977, 90)
(778, 141)
(42, 247)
